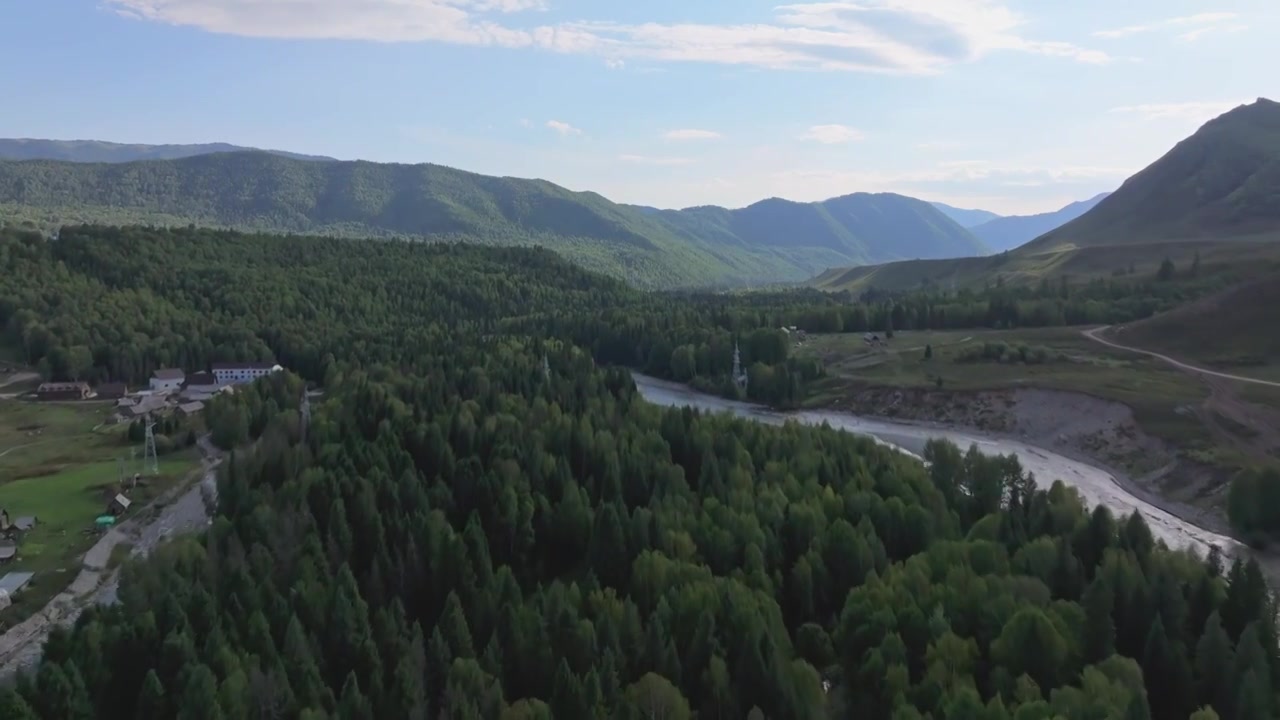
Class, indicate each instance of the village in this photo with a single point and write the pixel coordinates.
(44, 493)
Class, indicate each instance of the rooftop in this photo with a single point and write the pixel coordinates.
(15, 581)
(245, 366)
(60, 386)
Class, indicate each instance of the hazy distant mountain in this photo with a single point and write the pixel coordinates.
(966, 218)
(109, 152)
(770, 241)
(1009, 232)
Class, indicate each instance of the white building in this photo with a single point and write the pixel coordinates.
(167, 380)
(233, 373)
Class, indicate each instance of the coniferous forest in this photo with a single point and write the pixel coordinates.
(457, 533)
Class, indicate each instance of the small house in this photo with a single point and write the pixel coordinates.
(13, 583)
(167, 380)
(201, 382)
(62, 391)
(119, 505)
(8, 551)
(191, 408)
(112, 391)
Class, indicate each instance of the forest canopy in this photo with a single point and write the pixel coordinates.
(459, 533)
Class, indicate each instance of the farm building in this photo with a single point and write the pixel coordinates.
(191, 408)
(201, 382)
(14, 528)
(112, 391)
(62, 391)
(119, 505)
(167, 379)
(232, 373)
(11, 584)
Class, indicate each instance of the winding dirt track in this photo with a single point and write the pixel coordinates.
(1093, 335)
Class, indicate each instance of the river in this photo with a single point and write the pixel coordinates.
(1095, 485)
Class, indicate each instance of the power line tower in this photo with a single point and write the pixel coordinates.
(305, 411)
(150, 461)
(739, 377)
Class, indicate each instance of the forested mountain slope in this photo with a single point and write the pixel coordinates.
(771, 241)
(460, 535)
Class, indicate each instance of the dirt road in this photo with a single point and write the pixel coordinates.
(1093, 335)
(182, 509)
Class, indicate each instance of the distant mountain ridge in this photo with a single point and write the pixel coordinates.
(966, 218)
(109, 152)
(1007, 233)
(1213, 197)
(770, 241)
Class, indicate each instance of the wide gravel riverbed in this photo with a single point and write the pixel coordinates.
(1096, 485)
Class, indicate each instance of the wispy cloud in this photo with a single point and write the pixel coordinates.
(651, 160)
(1199, 111)
(691, 134)
(832, 134)
(956, 173)
(1193, 35)
(884, 36)
(1191, 26)
(563, 128)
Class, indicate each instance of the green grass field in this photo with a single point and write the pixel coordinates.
(59, 464)
(1153, 389)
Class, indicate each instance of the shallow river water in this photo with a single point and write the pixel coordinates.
(1096, 486)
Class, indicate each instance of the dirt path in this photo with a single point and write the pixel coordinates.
(1093, 335)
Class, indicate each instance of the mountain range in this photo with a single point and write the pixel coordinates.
(773, 240)
(966, 218)
(109, 152)
(1213, 196)
(1007, 233)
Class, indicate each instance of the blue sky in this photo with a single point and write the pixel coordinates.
(1009, 105)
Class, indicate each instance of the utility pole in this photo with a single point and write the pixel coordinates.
(305, 413)
(150, 461)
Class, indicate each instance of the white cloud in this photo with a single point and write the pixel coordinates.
(832, 134)
(887, 36)
(614, 64)
(563, 128)
(1200, 22)
(1197, 111)
(650, 160)
(691, 134)
(1193, 35)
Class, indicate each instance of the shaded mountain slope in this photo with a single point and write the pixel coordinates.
(966, 218)
(1224, 180)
